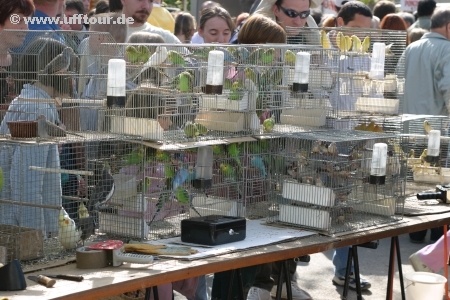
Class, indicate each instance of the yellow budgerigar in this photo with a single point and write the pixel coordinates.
(356, 43)
(324, 41)
(365, 44)
(348, 43)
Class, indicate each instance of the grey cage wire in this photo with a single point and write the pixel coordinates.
(322, 181)
(257, 84)
(365, 87)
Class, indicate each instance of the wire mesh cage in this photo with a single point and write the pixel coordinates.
(368, 69)
(322, 181)
(416, 135)
(256, 82)
(53, 192)
(48, 76)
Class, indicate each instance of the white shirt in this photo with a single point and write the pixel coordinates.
(197, 39)
(168, 37)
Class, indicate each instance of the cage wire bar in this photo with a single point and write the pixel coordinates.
(322, 181)
(369, 83)
(171, 103)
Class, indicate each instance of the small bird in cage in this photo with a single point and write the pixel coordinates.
(427, 126)
(102, 193)
(289, 57)
(60, 63)
(176, 58)
(332, 149)
(316, 147)
(258, 163)
(412, 153)
(292, 171)
(423, 156)
(68, 234)
(318, 181)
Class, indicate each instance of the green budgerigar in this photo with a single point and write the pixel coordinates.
(251, 74)
(132, 54)
(190, 129)
(169, 171)
(144, 53)
(227, 170)
(202, 130)
(255, 56)
(176, 58)
(184, 82)
(182, 195)
(162, 156)
(268, 56)
(289, 57)
(218, 150)
(135, 157)
(236, 91)
(276, 77)
(268, 124)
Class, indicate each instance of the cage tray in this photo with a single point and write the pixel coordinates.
(303, 117)
(21, 243)
(221, 121)
(377, 105)
(149, 129)
(123, 225)
(431, 175)
(305, 216)
(307, 193)
(222, 102)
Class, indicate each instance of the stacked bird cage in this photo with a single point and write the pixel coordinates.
(422, 167)
(370, 75)
(325, 181)
(53, 191)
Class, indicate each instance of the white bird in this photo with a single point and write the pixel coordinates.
(332, 149)
(319, 181)
(68, 234)
(155, 60)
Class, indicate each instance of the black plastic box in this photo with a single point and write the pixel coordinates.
(213, 230)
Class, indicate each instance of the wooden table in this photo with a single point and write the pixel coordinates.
(130, 277)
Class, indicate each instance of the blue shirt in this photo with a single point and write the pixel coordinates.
(44, 25)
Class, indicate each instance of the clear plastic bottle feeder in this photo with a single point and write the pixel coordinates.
(214, 76)
(115, 90)
(434, 144)
(301, 72)
(377, 61)
(378, 166)
(204, 168)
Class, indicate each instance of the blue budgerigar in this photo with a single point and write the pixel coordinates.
(180, 177)
(258, 163)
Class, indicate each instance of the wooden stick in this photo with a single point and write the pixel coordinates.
(58, 207)
(56, 170)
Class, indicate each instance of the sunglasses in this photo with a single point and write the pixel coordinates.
(294, 14)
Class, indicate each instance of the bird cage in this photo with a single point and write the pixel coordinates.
(369, 68)
(325, 180)
(53, 191)
(416, 134)
(47, 75)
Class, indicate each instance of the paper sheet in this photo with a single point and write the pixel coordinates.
(257, 234)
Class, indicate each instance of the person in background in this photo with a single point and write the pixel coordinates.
(292, 15)
(102, 7)
(407, 17)
(185, 27)
(416, 34)
(241, 18)
(72, 8)
(46, 8)
(394, 22)
(259, 29)
(215, 25)
(425, 9)
(86, 5)
(317, 16)
(161, 17)
(140, 10)
(44, 80)
(8, 40)
(431, 257)
(196, 38)
(383, 8)
(115, 5)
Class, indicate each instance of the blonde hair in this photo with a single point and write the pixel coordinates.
(259, 29)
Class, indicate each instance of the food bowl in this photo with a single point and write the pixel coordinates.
(23, 129)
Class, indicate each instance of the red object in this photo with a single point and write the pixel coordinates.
(107, 245)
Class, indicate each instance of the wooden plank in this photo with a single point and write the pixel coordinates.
(112, 281)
